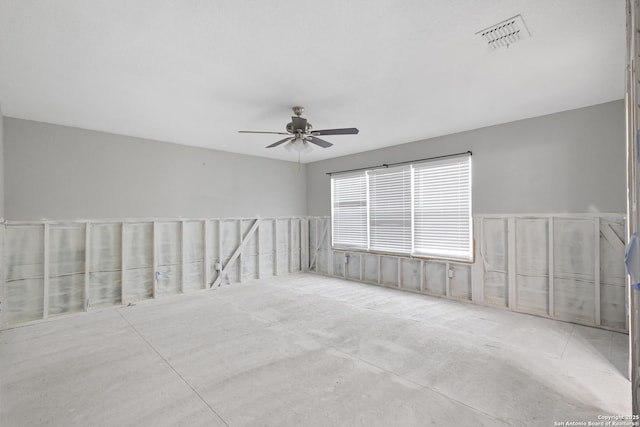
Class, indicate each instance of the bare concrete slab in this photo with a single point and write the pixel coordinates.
(306, 350)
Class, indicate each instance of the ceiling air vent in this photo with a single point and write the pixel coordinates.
(505, 33)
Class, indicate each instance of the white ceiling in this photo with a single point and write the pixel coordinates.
(195, 72)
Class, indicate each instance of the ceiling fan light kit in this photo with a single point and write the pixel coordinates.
(300, 133)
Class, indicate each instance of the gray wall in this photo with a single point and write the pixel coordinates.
(57, 172)
(568, 162)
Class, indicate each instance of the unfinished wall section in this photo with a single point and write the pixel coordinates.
(566, 267)
(55, 268)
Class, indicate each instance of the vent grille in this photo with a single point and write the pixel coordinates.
(505, 33)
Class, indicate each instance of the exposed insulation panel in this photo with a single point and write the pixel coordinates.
(66, 268)
(213, 247)
(324, 246)
(314, 240)
(24, 273)
(267, 248)
(250, 253)
(105, 264)
(389, 271)
(193, 235)
(460, 283)
(282, 245)
(168, 258)
(338, 264)
(410, 274)
(304, 245)
(435, 277)
(532, 265)
(370, 268)
(574, 283)
(322, 263)
(296, 242)
(230, 240)
(353, 266)
(139, 274)
(493, 248)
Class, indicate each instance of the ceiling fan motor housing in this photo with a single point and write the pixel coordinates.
(307, 128)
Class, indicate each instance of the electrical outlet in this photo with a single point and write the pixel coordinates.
(218, 266)
(450, 273)
(346, 258)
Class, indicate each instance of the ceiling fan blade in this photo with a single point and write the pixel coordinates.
(299, 123)
(258, 131)
(282, 141)
(321, 142)
(345, 131)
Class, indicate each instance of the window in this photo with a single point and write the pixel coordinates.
(349, 211)
(442, 208)
(390, 209)
(421, 209)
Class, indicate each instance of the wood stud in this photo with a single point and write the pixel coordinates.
(87, 266)
(123, 262)
(511, 263)
(205, 253)
(596, 272)
(551, 243)
(45, 302)
(275, 247)
(183, 246)
(154, 257)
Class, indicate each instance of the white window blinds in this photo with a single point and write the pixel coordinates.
(442, 208)
(349, 211)
(390, 209)
(421, 209)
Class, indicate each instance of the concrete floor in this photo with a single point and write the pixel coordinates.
(306, 350)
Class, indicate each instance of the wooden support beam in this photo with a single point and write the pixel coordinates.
(290, 245)
(330, 259)
(379, 270)
(477, 268)
(258, 255)
(616, 243)
(87, 263)
(183, 247)
(422, 276)
(551, 239)
(275, 247)
(220, 257)
(220, 260)
(399, 272)
(123, 263)
(304, 243)
(240, 254)
(205, 253)
(236, 253)
(317, 246)
(596, 271)
(511, 262)
(45, 302)
(447, 280)
(154, 257)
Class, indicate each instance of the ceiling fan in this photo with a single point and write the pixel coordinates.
(300, 133)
